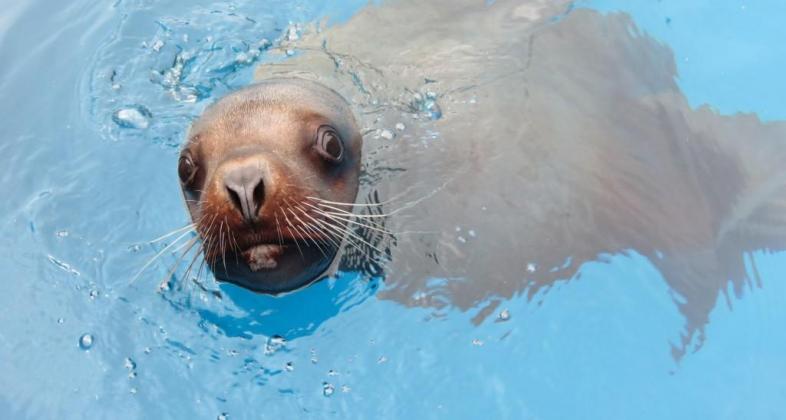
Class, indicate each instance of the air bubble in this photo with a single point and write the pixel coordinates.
(135, 116)
(477, 342)
(289, 367)
(504, 315)
(400, 127)
(386, 134)
(274, 344)
(327, 389)
(86, 341)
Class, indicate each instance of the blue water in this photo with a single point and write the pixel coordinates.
(83, 195)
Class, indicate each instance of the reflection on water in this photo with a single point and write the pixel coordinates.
(98, 96)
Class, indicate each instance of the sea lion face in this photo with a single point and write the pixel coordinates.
(267, 173)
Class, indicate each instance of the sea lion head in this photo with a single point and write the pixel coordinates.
(269, 174)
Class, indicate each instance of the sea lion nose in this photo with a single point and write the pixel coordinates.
(246, 189)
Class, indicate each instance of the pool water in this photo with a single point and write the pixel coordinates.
(96, 98)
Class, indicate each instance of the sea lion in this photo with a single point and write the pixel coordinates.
(260, 172)
(510, 143)
(538, 137)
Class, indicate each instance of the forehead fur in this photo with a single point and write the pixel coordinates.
(285, 96)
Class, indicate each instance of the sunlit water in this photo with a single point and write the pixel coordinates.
(96, 97)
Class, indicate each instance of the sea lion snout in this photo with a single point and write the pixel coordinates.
(244, 184)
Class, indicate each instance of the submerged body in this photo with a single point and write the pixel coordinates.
(534, 139)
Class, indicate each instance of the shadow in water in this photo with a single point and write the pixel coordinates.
(238, 312)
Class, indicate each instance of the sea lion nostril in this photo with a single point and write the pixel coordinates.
(235, 198)
(259, 193)
(246, 190)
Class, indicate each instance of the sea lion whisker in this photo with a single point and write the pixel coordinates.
(354, 222)
(327, 235)
(191, 242)
(355, 235)
(197, 256)
(208, 236)
(201, 266)
(278, 229)
(189, 226)
(339, 234)
(306, 233)
(222, 245)
(235, 248)
(160, 253)
(323, 237)
(337, 203)
(339, 212)
(290, 226)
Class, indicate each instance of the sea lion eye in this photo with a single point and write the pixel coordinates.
(186, 169)
(329, 144)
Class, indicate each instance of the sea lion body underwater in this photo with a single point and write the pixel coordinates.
(538, 138)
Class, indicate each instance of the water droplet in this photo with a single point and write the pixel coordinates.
(471, 233)
(332, 372)
(86, 341)
(147, 350)
(289, 367)
(129, 363)
(293, 33)
(94, 294)
(345, 389)
(462, 240)
(63, 265)
(135, 116)
(504, 315)
(290, 52)
(135, 248)
(223, 416)
(242, 58)
(61, 233)
(531, 268)
(274, 343)
(132, 390)
(381, 360)
(477, 342)
(427, 105)
(314, 360)
(386, 134)
(400, 127)
(157, 45)
(327, 389)
(60, 320)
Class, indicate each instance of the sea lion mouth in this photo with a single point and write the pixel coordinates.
(263, 256)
